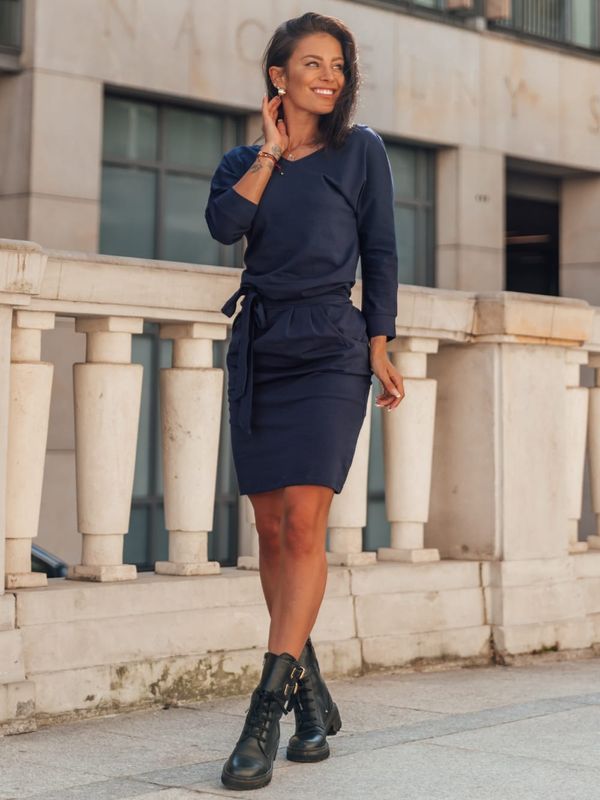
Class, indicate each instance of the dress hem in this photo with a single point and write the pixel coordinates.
(281, 484)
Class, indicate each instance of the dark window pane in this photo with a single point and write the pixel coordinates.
(159, 542)
(136, 541)
(128, 209)
(575, 21)
(130, 130)
(10, 23)
(582, 27)
(406, 231)
(193, 139)
(186, 236)
(403, 161)
(165, 360)
(142, 348)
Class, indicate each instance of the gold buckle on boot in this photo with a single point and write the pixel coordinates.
(297, 677)
(296, 674)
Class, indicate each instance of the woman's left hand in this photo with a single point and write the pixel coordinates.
(391, 380)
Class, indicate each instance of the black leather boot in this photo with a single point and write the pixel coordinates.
(317, 716)
(250, 765)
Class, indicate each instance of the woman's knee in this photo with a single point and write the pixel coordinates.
(268, 527)
(303, 534)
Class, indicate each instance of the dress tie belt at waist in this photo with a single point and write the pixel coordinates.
(253, 312)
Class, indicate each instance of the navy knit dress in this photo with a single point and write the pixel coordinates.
(298, 363)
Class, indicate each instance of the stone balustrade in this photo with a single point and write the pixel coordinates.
(483, 463)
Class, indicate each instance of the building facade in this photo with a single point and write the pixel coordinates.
(114, 114)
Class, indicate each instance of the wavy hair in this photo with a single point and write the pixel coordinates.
(336, 125)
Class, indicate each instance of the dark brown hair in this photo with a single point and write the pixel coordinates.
(335, 126)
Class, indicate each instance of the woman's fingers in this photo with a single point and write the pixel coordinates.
(393, 393)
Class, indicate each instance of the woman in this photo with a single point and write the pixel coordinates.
(316, 196)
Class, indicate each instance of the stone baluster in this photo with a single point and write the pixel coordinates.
(348, 511)
(577, 414)
(593, 442)
(190, 410)
(249, 561)
(408, 453)
(29, 412)
(107, 393)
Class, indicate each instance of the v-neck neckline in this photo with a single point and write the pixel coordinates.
(296, 160)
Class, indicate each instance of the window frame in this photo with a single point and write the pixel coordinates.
(233, 132)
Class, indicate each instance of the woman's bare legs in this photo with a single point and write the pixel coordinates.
(268, 513)
(292, 525)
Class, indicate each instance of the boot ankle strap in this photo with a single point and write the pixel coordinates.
(291, 685)
(290, 688)
(298, 672)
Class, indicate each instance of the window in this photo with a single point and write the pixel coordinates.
(10, 25)
(157, 163)
(413, 176)
(574, 22)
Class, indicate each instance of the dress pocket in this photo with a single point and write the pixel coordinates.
(348, 321)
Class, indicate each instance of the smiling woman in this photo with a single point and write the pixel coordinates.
(301, 355)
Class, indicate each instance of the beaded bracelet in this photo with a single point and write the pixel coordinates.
(272, 157)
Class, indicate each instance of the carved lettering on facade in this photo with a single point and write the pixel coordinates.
(187, 32)
(123, 10)
(514, 91)
(251, 37)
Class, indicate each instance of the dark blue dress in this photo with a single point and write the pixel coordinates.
(298, 361)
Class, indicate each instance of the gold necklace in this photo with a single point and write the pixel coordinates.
(292, 157)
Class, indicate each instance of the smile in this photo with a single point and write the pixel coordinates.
(326, 92)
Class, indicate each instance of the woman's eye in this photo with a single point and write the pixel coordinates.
(341, 66)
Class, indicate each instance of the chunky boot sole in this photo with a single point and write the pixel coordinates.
(334, 723)
(236, 782)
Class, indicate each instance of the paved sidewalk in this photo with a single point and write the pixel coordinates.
(486, 732)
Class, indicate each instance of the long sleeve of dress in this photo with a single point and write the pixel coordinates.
(377, 238)
(228, 214)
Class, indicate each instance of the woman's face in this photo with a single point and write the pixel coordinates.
(316, 63)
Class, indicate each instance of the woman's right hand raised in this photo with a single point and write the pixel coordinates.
(275, 133)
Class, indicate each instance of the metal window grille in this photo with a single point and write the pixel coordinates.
(555, 20)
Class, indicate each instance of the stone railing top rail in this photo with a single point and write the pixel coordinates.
(83, 284)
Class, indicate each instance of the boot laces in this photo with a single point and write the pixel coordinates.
(306, 700)
(260, 714)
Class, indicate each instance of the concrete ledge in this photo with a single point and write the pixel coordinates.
(424, 612)
(567, 635)
(11, 657)
(552, 601)
(7, 612)
(66, 600)
(403, 577)
(587, 565)
(100, 690)
(528, 572)
(464, 643)
(17, 707)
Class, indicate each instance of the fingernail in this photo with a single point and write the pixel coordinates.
(396, 393)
